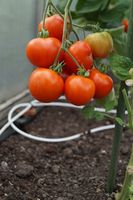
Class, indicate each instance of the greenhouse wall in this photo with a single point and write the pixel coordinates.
(18, 24)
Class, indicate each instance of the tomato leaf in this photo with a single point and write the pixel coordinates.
(131, 189)
(113, 15)
(119, 40)
(88, 6)
(120, 66)
(119, 121)
(109, 102)
(90, 113)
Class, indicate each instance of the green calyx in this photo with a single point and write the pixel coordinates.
(82, 72)
(43, 33)
(58, 68)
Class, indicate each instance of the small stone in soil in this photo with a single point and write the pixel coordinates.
(55, 169)
(67, 152)
(125, 150)
(4, 165)
(24, 170)
(40, 181)
(60, 198)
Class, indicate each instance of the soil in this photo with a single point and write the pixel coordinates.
(75, 170)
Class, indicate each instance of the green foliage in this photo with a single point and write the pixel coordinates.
(120, 66)
(119, 40)
(89, 6)
(107, 13)
(119, 121)
(108, 103)
(113, 15)
(131, 189)
(90, 113)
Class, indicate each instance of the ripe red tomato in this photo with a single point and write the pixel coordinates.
(100, 43)
(45, 85)
(81, 51)
(79, 90)
(42, 52)
(54, 25)
(125, 24)
(103, 83)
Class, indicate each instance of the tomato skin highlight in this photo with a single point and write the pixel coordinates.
(42, 52)
(125, 23)
(79, 90)
(100, 43)
(45, 85)
(103, 83)
(54, 25)
(81, 51)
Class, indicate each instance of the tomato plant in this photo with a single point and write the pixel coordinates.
(79, 90)
(103, 83)
(101, 44)
(81, 51)
(42, 52)
(80, 54)
(45, 85)
(54, 26)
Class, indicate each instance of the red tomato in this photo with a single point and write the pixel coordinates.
(125, 23)
(79, 90)
(42, 52)
(54, 25)
(45, 85)
(103, 83)
(81, 51)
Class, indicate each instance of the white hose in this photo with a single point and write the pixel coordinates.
(102, 128)
(42, 139)
(13, 119)
(35, 103)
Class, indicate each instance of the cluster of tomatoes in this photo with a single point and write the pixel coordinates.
(46, 85)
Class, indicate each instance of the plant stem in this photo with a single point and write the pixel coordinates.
(129, 109)
(116, 141)
(48, 2)
(72, 58)
(64, 37)
(113, 30)
(128, 181)
(120, 112)
(56, 9)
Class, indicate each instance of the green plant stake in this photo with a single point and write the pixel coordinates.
(120, 113)
(127, 189)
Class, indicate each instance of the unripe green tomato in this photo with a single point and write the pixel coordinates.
(101, 44)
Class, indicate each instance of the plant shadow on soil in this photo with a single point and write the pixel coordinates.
(75, 170)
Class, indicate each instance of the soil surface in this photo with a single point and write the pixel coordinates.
(75, 170)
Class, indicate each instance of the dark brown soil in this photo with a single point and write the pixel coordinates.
(75, 170)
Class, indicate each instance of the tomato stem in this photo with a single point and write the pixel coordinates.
(113, 30)
(125, 193)
(72, 57)
(120, 113)
(48, 2)
(64, 37)
(56, 9)
(116, 141)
